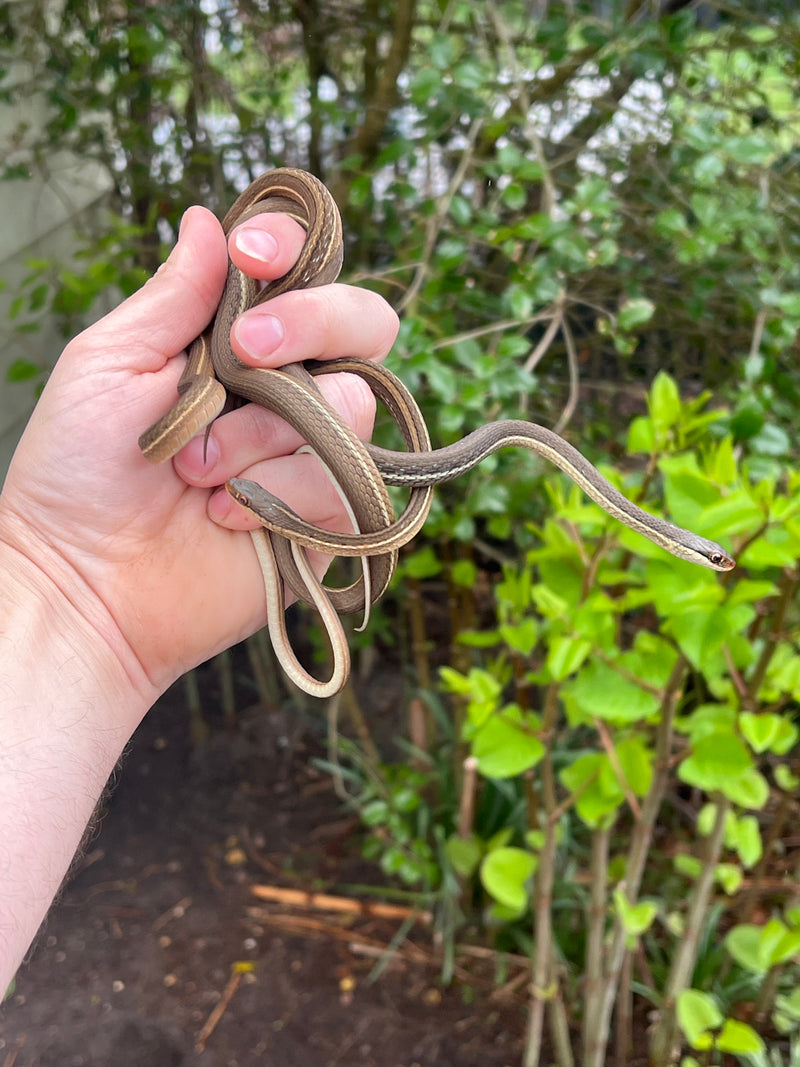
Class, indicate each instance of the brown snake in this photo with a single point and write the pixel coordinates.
(360, 471)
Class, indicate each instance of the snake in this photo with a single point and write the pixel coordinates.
(214, 378)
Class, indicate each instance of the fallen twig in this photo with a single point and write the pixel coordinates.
(299, 898)
(362, 945)
(177, 911)
(219, 1010)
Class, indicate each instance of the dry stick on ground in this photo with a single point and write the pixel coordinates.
(11, 1058)
(409, 952)
(299, 898)
(218, 1011)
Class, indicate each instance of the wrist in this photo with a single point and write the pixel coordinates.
(50, 614)
(68, 708)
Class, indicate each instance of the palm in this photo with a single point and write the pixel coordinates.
(177, 585)
(136, 533)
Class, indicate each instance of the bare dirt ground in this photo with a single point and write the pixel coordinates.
(158, 953)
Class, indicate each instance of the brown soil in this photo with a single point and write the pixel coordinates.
(159, 925)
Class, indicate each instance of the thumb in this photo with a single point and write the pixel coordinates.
(173, 306)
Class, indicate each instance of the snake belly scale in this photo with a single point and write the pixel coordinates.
(213, 375)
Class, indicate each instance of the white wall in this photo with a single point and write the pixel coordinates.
(40, 216)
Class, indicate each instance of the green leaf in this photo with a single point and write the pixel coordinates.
(479, 638)
(715, 760)
(522, 637)
(707, 719)
(729, 877)
(787, 1011)
(460, 210)
(635, 918)
(505, 873)
(464, 854)
(565, 655)
(759, 948)
(697, 1015)
(751, 790)
(664, 401)
(464, 573)
(598, 792)
(636, 762)
(599, 691)
(785, 778)
(744, 944)
(750, 149)
(768, 732)
(424, 563)
(708, 168)
(505, 744)
(670, 222)
(690, 866)
(641, 436)
(635, 313)
(375, 812)
(22, 370)
(442, 50)
(739, 1039)
(515, 196)
(748, 840)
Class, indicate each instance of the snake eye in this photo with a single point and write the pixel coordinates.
(721, 561)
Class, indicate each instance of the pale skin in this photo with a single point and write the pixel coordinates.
(116, 576)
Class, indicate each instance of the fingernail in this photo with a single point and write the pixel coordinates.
(198, 458)
(220, 505)
(258, 335)
(256, 243)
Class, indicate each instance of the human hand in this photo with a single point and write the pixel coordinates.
(138, 549)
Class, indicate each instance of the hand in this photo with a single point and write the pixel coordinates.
(138, 549)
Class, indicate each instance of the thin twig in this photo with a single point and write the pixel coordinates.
(11, 1058)
(299, 898)
(613, 759)
(665, 1037)
(466, 805)
(544, 984)
(556, 320)
(595, 937)
(437, 219)
(637, 858)
(218, 1011)
(572, 363)
(498, 327)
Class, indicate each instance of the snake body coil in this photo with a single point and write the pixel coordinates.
(361, 471)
